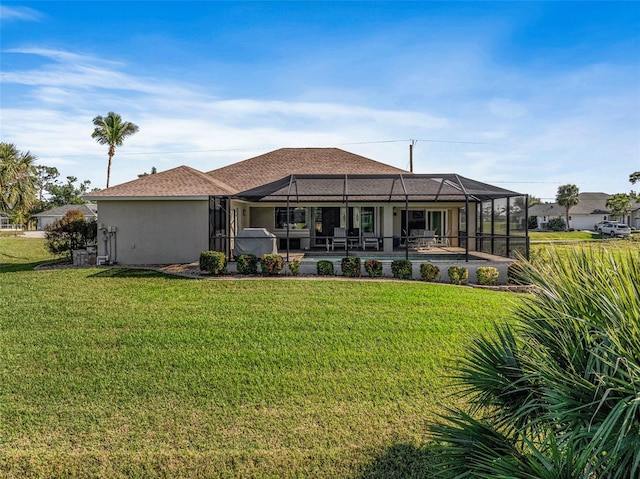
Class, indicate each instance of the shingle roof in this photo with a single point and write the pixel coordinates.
(277, 164)
(182, 181)
(85, 209)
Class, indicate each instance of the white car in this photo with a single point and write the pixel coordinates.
(614, 229)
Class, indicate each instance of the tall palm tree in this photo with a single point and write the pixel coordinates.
(18, 178)
(567, 196)
(112, 130)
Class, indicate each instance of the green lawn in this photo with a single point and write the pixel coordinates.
(117, 373)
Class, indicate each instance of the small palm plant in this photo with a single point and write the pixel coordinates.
(558, 394)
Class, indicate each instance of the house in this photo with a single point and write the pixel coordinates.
(302, 196)
(4, 221)
(590, 210)
(89, 210)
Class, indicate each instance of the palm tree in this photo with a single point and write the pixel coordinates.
(18, 178)
(554, 395)
(567, 196)
(112, 130)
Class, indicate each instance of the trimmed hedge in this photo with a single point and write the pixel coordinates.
(247, 264)
(294, 267)
(351, 267)
(402, 269)
(487, 275)
(429, 272)
(458, 275)
(325, 268)
(213, 262)
(271, 264)
(373, 267)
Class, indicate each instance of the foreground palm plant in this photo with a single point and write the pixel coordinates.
(557, 395)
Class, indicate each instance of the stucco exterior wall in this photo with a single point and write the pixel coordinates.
(153, 232)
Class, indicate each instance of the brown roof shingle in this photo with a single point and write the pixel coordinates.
(277, 164)
(182, 181)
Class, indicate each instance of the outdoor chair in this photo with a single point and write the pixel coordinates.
(339, 238)
(426, 240)
(443, 240)
(370, 239)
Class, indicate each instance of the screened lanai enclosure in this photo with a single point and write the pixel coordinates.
(382, 214)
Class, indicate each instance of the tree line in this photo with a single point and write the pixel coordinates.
(27, 188)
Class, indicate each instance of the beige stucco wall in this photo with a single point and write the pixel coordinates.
(154, 232)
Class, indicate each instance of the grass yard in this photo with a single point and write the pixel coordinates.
(120, 373)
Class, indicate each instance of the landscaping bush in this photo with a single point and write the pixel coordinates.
(487, 275)
(401, 269)
(556, 393)
(247, 264)
(429, 272)
(458, 275)
(70, 232)
(373, 267)
(325, 268)
(294, 267)
(271, 264)
(213, 262)
(351, 267)
(517, 273)
(556, 224)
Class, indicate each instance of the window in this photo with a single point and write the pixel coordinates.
(297, 218)
(367, 219)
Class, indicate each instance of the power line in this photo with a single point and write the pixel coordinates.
(223, 150)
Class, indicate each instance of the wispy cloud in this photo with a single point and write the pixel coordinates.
(19, 14)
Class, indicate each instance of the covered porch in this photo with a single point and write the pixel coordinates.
(384, 215)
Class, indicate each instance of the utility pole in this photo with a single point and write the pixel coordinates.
(411, 143)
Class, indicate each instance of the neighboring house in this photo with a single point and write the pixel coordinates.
(89, 210)
(303, 196)
(4, 221)
(590, 210)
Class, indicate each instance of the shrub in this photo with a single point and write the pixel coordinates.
(247, 264)
(373, 267)
(487, 275)
(70, 232)
(294, 267)
(556, 224)
(458, 275)
(401, 269)
(213, 262)
(325, 268)
(429, 272)
(517, 273)
(271, 264)
(554, 392)
(351, 267)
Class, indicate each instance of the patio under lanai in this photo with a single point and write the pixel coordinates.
(376, 215)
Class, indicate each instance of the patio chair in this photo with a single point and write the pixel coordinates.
(339, 238)
(443, 240)
(426, 240)
(412, 240)
(370, 239)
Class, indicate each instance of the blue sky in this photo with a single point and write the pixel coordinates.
(524, 95)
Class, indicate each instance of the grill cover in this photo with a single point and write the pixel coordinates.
(257, 241)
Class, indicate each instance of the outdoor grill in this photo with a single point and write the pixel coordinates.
(257, 241)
